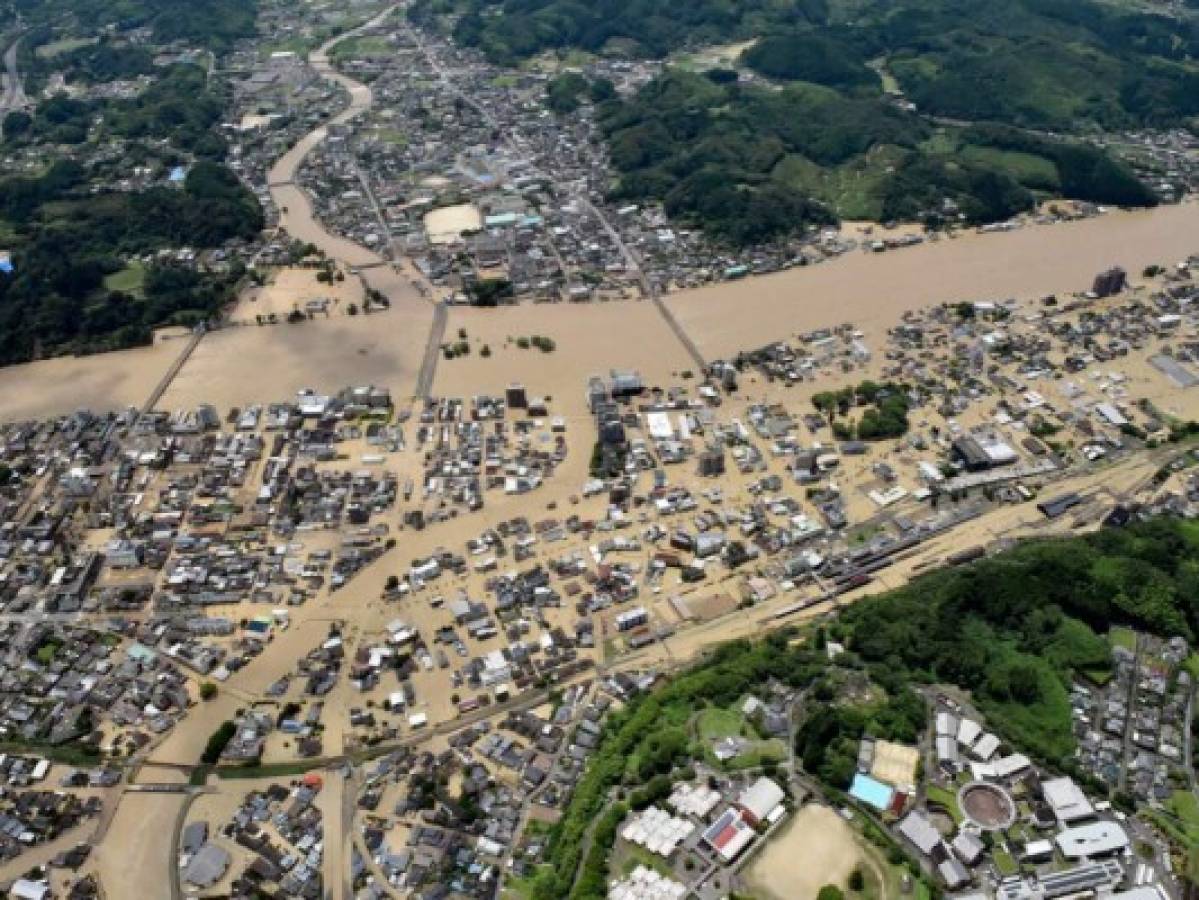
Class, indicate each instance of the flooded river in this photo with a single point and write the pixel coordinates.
(874, 290)
(296, 215)
(870, 290)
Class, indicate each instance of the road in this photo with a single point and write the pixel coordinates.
(12, 94)
(428, 368)
(336, 802)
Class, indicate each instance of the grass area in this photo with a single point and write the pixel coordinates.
(1004, 862)
(626, 857)
(1191, 665)
(947, 799)
(714, 723)
(772, 751)
(130, 280)
(880, 66)
(67, 754)
(1024, 167)
(1120, 636)
(519, 888)
(1184, 806)
(854, 190)
(362, 47)
(865, 534)
(58, 48)
(270, 769)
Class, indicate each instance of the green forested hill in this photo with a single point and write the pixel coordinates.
(212, 24)
(72, 239)
(1024, 62)
(1055, 63)
(713, 152)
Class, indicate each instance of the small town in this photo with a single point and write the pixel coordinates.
(401, 512)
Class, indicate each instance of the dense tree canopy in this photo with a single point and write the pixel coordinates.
(1013, 627)
(751, 164)
(214, 24)
(72, 239)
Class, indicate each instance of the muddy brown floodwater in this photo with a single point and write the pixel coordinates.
(874, 290)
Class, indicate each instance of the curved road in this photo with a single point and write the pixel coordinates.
(12, 94)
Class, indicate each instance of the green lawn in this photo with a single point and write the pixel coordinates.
(714, 723)
(130, 280)
(945, 798)
(1185, 807)
(1119, 636)
(362, 48)
(1005, 863)
(758, 754)
(57, 48)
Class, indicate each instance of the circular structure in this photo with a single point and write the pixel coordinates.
(988, 806)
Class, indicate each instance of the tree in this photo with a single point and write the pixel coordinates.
(208, 690)
(17, 124)
(830, 892)
(856, 881)
(218, 742)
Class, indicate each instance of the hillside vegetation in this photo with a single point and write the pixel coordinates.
(210, 24)
(1012, 629)
(1038, 63)
(69, 240)
(749, 163)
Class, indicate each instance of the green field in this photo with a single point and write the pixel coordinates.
(1184, 806)
(713, 723)
(1119, 636)
(58, 48)
(1005, 863)
(130, 280)
(362, 47)
(947, 799)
